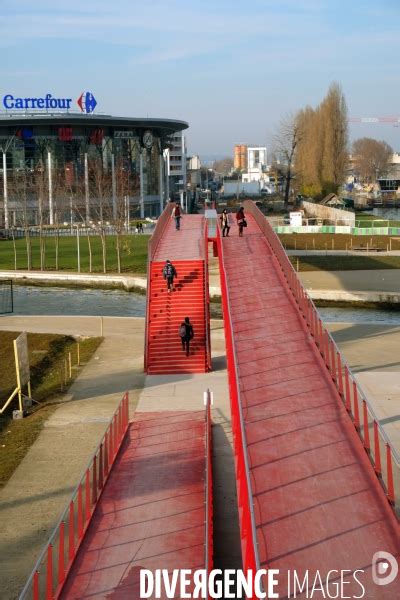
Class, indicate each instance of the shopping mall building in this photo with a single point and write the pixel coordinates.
(63, 166)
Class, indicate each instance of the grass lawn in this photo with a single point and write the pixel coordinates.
(345, 263)
(47, 353)
(133, 253)
(338, 241)
(365, 220)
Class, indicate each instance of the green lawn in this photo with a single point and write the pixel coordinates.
(338, 241)
(345, 263)
(365, 220)
(133, 254)
(47, 353)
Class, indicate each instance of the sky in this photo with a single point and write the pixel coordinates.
(232, 70)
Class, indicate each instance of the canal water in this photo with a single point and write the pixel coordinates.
(118, 303)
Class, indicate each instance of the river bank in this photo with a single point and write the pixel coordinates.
(370, 289)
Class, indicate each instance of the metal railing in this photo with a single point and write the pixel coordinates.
(248, 535)
(51, 570)
(151, 250)
(208, 551)
(383, 456)
(206, 297)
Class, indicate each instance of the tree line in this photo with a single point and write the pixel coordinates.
(312, 150)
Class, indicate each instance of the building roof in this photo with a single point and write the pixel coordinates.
(10, 121)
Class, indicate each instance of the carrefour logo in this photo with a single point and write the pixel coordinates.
(86, 102)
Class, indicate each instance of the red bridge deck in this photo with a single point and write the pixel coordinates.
(151, 514)
(318, 503)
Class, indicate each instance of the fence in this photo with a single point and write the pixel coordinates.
(20, 232)
(209, 490)
(248, 534)
(337, 229)
(6, 296)
(383, 456)
(206, 296)
(52, 568)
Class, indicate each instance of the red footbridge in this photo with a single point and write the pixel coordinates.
(318, 481)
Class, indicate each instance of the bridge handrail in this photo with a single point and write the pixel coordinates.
(250, 557)
(152, 245)
(208, 550)
(356, 403)
(54, 563)
(206, 296)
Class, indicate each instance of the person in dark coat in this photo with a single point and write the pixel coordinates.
(241, 221)
(186, 334)
(169, 272)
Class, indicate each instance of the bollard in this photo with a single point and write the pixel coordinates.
(390, 485)
(356, 411)
(78, 348)
(333, 361)
(378, 464)
(106, 464)
(61, 561)
(347, 387)
(101, 466)
(87, 495)
(80, 516)
(70, 365)
(49, 573)
(36, 586)
(366, 427)
(71, 531)
(339, 374)
(101, 326)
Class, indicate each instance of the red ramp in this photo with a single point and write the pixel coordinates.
(318, 505)
(152, 512)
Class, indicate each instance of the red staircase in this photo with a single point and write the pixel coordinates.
(166, 313)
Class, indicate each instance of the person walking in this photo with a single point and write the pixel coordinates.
(176, 214)
(186, 334)
(225, 223)
(241, 221)
(169, 272)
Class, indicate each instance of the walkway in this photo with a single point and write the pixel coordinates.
(185, 244)
(152, 512)
(318, 503)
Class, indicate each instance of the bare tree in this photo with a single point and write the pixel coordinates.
(223, 166)
(285, 143)
(371, 157)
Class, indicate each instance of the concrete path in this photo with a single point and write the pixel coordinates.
(33, 499)
(381, 280)
(372, 352)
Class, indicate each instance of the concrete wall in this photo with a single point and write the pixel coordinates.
(327, 213)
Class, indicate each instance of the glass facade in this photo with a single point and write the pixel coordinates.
(84, 170)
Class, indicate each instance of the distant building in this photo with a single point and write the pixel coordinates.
(177, 164)
(256, 165)
(193, 169)
(240, 157)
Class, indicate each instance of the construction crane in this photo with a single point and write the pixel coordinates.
(391, 119)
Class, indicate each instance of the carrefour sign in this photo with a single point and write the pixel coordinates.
(86, 102)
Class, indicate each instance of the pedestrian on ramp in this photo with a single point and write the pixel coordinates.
(186, 334)
(176, 214)
(241, 221)
(169, 273)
